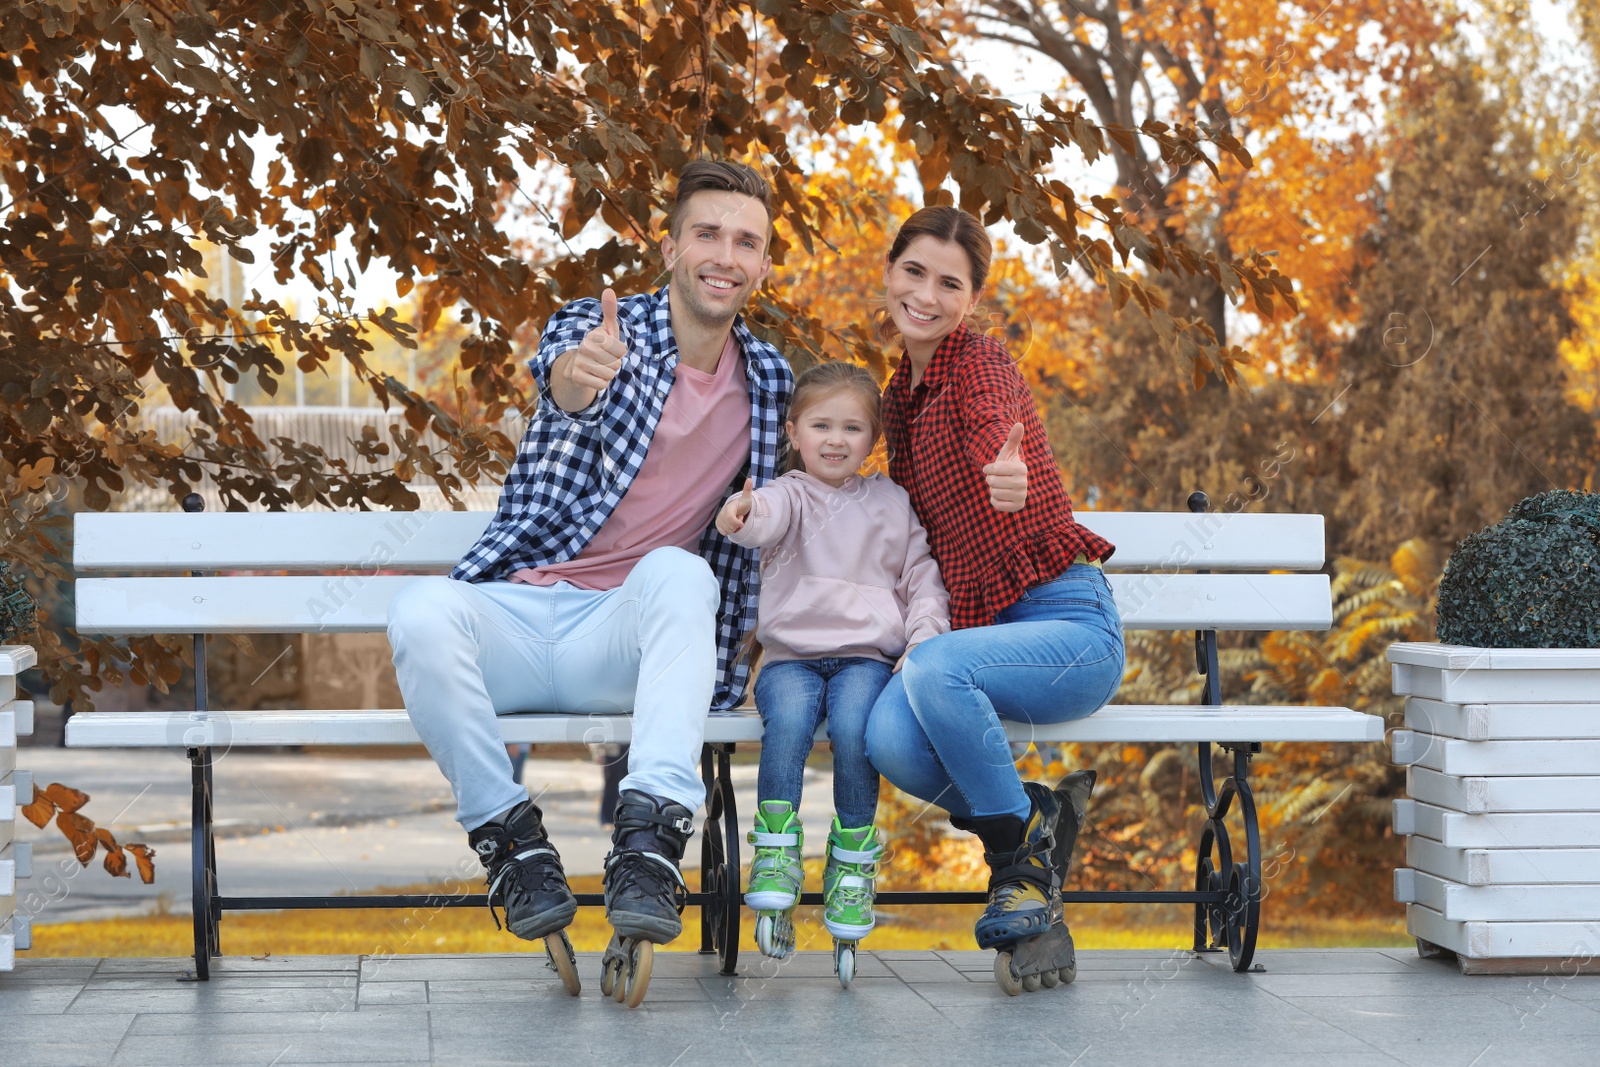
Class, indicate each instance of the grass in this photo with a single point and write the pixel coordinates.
(469, 930)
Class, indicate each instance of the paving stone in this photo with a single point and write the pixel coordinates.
(918, 972)
(374, 994)
(284, 1023)
(36, 998)
(226, 1048)
(42, 1041)
(197, 998)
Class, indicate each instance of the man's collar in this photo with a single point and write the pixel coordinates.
(763, 364)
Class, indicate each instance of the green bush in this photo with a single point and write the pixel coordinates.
(16, 607)
(1531, 580)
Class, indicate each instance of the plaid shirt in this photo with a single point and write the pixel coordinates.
(572, 469)
(940, 435)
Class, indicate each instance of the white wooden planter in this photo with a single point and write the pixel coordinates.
(1502, 748)
(16, 789)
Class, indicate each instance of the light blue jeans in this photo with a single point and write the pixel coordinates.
(793, 696)
(937, 730)
(467, 652)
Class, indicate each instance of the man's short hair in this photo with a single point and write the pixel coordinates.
(718, 176)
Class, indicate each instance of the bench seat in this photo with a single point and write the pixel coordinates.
(1181, 723)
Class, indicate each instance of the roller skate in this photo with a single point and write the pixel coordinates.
(1027, 863)
(775, 876)
(849, 883)
(527, 883)
(644, 890)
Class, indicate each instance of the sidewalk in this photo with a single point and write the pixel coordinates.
(296, 823)
(1332, 1008)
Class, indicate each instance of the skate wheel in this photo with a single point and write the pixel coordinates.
(610, 969)
(640, 963)
(1032, 983)
(765, 939)
(1050, 979)
(1008, 978)
(558, 950)
(844, 964)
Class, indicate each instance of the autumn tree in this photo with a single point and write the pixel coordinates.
(387, 134)
(1294, 82)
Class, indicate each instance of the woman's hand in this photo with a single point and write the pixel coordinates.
(1008, 474)
(730, 520)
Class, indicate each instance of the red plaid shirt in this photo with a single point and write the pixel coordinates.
(940, 435)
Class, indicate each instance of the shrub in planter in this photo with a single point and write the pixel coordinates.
(16, 607)
(1531, 580)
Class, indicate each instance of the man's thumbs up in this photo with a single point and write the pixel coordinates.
(596, 360)
(1008, 474)
(608, 313)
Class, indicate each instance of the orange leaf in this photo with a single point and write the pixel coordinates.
(80, 832)
(65, 797)
(145, 857)
(40, 811)
(116, 863)
(106, 839)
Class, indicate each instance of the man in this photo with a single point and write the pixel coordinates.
(602, 584)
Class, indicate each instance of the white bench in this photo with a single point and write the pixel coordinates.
(199, 574)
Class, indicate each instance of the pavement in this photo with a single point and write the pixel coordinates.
(306, 823)
(1339, 1008)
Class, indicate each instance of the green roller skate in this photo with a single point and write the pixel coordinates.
(775, 876)
(849, 883)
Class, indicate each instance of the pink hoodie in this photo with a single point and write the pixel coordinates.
(844, 572)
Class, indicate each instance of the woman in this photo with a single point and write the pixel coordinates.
(1035, 634)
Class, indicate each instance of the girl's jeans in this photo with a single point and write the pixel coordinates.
(1054, 655)
(467, 652)
(792, 696)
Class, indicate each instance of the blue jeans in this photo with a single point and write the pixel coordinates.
(793, 696)
(1053, 656)
(466, 653)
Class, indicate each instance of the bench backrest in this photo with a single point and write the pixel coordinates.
(309, 572)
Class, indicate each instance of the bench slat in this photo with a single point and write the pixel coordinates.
(357, 604)
(434, 540)
(1118, 722)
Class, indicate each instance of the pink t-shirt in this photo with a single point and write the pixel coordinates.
(700, 443)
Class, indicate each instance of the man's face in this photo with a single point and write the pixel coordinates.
(719, 255)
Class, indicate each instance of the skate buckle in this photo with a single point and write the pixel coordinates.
(684, 824)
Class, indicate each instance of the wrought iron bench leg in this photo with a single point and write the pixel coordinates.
(203, 867)
(719, 859)
(1234, 923)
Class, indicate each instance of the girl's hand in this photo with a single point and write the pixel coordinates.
(730, 520)
(901, 662)
(1008, 474)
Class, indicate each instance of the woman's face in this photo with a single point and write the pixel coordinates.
(929, 291)
(833, 436)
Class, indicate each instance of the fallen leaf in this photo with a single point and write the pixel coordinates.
(40, 811)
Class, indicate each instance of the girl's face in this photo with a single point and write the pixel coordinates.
(832, 436)
(929, 291)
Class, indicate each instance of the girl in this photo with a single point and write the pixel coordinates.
(1036, 637)
(848, 587)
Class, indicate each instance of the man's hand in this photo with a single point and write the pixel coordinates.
(1008, 474)
(730, 520)
(901, 662)
(582, 373)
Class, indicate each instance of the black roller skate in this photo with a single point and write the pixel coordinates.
(1027, 863)
(527, 883)
(645, 892)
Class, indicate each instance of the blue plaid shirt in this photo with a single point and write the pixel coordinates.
(573, 468)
